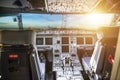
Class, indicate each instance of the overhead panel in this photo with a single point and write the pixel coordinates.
(70, 6)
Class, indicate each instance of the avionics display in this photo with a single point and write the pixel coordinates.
(65, 40)
(88, 40)
(39, 41)
(48, 41)
(80, 40)
(65, 49)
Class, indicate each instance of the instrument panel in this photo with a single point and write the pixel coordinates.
(63, 41)
(64, 45)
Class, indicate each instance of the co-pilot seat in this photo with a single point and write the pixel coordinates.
(94, 63)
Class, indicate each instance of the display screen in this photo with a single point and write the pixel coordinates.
(65, 48)
(80, 40)
(48, 41)
(56, 55)
(39, 41)
(89, 40)
(65, 40)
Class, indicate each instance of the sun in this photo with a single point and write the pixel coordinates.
(97, 20)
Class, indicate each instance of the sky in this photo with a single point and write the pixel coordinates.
(57, 20)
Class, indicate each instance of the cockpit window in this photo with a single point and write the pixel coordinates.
(32, 20)
(8, 22)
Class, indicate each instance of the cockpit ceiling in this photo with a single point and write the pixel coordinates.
(63, 6)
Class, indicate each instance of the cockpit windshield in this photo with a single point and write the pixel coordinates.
(30, 20)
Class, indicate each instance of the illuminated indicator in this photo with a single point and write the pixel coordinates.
(110, 59)
(13, 56)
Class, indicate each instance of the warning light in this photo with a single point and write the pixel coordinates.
(13, 56)
(110, 59)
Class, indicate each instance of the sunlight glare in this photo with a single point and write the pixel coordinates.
(97, 20)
